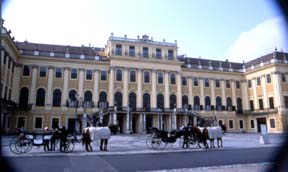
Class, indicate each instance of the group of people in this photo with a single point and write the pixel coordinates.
(51, 136)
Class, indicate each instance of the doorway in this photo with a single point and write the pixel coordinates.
(259, 122)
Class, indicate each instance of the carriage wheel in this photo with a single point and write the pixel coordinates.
(158, 144)
(12, 145)
(69, 147)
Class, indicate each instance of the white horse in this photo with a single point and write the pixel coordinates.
(98, 133)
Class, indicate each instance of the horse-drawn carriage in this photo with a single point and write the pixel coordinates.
(189, 137)
(24, 142)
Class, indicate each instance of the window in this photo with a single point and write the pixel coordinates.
(261, 104)
(206, 82)
(43, 71)
(21, 122)
(158, 53)
(238, 84)
(249, 84)
(184, 81)
(118, 49)
(207, 103)
(196, 103)
(131, 51)
(229, 103)
(118, 75)
(217, 83)
(9, 63)
(73, 73)
(268, 78)
(258, 81)
(88, 96)
(58, 72)
(228, 84)
(146, 101)
(185, 101)
(38, 123)
(145, 52)
(132, 76)
(133, 101)
(88, 74)
(72, 95)
(55, 123)
(252, 123)
(172, 79)
(231, 124)
(241, 124)
(271, 103)
(146, 77)
(272, 123)
(160, 78)
(195, 82)
(251, 105)
(173, 101)
(239, 105)
(286, 102)
(220, 122)
(23, 97)
(170, 55)
(26, 70)
(283, 77)
(160, 101)
(218, 103)
(40, 98)
(102, 96)
(57, 98)
(103, 75)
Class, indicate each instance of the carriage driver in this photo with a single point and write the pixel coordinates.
(186, 135)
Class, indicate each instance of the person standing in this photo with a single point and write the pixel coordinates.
(63, 138)
(46, 139)
(86, 140)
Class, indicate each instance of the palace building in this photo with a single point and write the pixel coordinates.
(137, 84)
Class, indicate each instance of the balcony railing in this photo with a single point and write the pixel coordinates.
(257, 111)
(84, 104)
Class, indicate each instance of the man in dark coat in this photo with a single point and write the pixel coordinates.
(63, 138)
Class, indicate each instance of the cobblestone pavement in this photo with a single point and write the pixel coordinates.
(136, 143)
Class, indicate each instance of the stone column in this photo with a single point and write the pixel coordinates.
(245, 100)
(111, 86)
(278, 92)
(16, 83)
(265, 99)
(96, 88)
(140, 126)
(233, 86)
(223, 97)
(179, 90)
(254, 86)
(5, 70)
(32, 96)
(128, 119)
(190, 90)
(153, 94)
(65, 88)
(49, 88)
(9, 79)
(213, 99)
(166, 90)
(144, 123)
(125, 87)
(201, 80)
(81, 83)
(139, 89)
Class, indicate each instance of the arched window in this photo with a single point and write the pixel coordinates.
(218, 103)
(132, 101)
(146, 77)
(40, 97)
(160, 101)
(173, 101)
(207, 103)
(146, 101)
(57, 98)
(118, 75)
(239, 105)
(102, 96)
(118, 99)
(196, 103)
(172, 79)
(229, 103)
(72, 95)
(88, 96)
(184, 101)
(23, 98)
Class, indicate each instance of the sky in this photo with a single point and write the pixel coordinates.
(210, 29)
